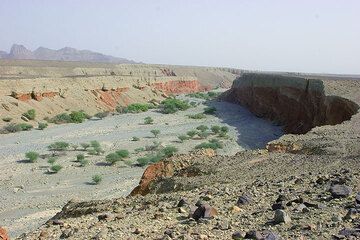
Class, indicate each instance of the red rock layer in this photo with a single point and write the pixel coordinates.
(3, 234)
(111, 97)
(178, 87)
(298, 104)
(34, 95)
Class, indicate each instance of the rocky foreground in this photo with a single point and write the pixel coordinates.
(301, 187)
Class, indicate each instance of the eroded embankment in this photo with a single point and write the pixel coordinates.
(297, 103)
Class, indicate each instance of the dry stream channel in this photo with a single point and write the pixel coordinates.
(29, 195)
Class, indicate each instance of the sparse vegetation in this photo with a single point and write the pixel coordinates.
(224, 129)
(102, 115)
(215, 129)
(155, 132)
(12, 127)
(30, 114)
(52, 160)
(204, 134)
(202, 95)
(202, 128)
(137, 108)
(135, 139)
(80, 157)
(73, 117)
(172, 105)
(213, 144)
(123, 153)
(153, 147)
(96, 179)
(169, 151)
(83, 162)
(148, 120)
(32, 156)
(56, 168)
(183, 138)
(197, 116)
(42, 126)
(191, 133)
(209, 110)
(137, 150)
(143, 161)
(59, 146)
(85, 145)
(112, 158)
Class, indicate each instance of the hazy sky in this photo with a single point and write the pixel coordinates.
(288, 35)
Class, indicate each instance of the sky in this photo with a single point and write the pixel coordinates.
(319, 36)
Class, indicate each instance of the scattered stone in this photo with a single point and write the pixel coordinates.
(24, 118)
(261, 235)
(350, 232)
(278, 205)
(238, 235)
(281, 217)
(182, 202)
(350, 214)
(235, 209)
(57, 222)
(281, 198)
(357, 198)
(223, 225)
(243, 200)
(137, 231)
(105, 217)
(340, 191)
(181, 210)
(336, 218)
(204, 211)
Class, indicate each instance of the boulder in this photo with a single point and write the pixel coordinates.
(243, 200)
(340, 191)
(281, 217)
(204, 211)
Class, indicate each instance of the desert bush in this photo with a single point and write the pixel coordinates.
(203, 135)
(193, 104)
(80, 157)
(42, 126)
(59, 146)
(209, 110)
(102, 115)
(61, 118)
(12, 127)
(201, 95)
(30, 114)
(85, 145)
(172, 105)
(213, 144)
(24, 126)
(143, 161)
(202, 128)
(52, 160)
(7, 119)
(191, 133)
(169, 151)
(154, 147)
(123, 153)
(224, 129)
(56, 168)
(83, 162)
(96, 179)
(223, 135)
(74, 147)
(95, 144)
(32, 156)
(183, 138)
(137, 108)
(78, 116)
(215, 129)
(197, 116)
(137, 150)
(135, 139)
(148, 120)
(112, 158)
(155, 132)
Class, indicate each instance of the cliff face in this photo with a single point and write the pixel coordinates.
(297, 103)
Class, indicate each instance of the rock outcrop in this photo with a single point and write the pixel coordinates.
(297, 103)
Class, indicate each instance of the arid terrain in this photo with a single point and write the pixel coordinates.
(260, 184)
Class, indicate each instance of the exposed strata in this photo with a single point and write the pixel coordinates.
(297, 103)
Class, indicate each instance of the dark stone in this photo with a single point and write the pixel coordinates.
(340, 191)
(311, 205)
(253, 234)
(348, 232)
(243, 200)
(261, 235)
(350, 214)
(279, 205)
(57, 222)
(281, 198)
(204, 211)
(238, 235)
(357, 198)
(182, 202)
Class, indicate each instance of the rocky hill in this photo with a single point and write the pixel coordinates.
(63, 54)
(310, 190)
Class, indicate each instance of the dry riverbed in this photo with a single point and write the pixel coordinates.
(29, 195)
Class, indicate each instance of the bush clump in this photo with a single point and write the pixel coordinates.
(96, 179)
(123, 153)
(197, 116)
(42, 126)
(137, 108)
(172, 105)
(169, 151)
(155, 132)
(85, 145)
(83, 162)
(191, 133)
(52, 160)
(102, 115)
(59, 146)
(183, 138)
(56, 168)
(73, 117)
(80, 157)
(213, 144)
(202, 128)
(12, 127)
(148, 120)
(112, 158)
(215, 129)
(209, 110)
(32, 156)
(30, 114)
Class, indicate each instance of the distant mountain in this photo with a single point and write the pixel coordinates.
(64, 54)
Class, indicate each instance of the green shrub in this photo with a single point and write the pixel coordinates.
(96, 179)
(56, 168)
(197, 116)
(74, 146)
(148, 120)
(191, 133)
(112, 158)
(85, 145)
(83, 162)
(102, 115)
(80, 157)
(135, 139)
(95, 144)
(153, 147)
(223, 135)
(96, 151)
(7, 119)
(137, 150)
(30, 114)
(201, 95)
(143, 161)
(42, 126)
(203, 134)
(59, 146)
(169, 151)
(123, 153)
(209, 110)
(172, 105)
(137, 108)
(215, 129)
(32, 156)
(182, 138)
(202, 128)
(224, 129)
(12, 127)
(61, 118)
(213, 144)
(78, 116)
(25, 126)
(155, 132)
(52, 160)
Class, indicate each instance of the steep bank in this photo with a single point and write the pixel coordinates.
(52, 87)
(297, 103)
